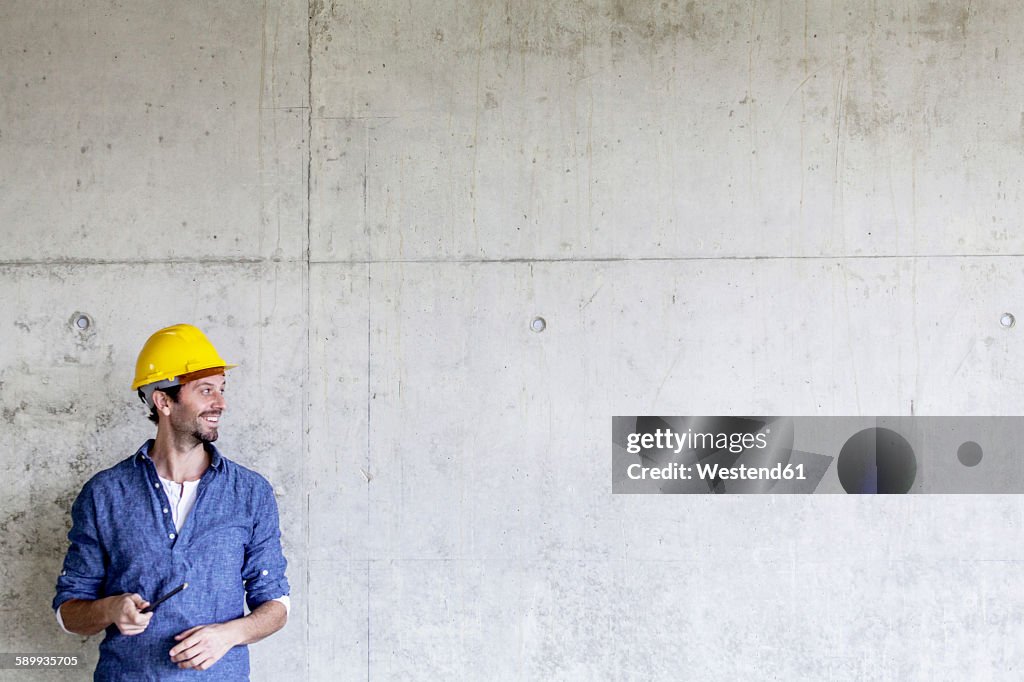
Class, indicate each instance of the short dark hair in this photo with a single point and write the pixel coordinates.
(171, 392)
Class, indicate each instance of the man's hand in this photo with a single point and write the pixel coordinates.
(201, 646)
(125, 611)
(91, 616)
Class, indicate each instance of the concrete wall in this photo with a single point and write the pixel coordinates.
(718, 208)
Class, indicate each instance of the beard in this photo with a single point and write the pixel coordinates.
(205, 437)
(204, 432)
(193, 429)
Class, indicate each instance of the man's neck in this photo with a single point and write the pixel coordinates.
(178, 461)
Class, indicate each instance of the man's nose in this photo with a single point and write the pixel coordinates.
(219, 402)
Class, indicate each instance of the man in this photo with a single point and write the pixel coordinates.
(175, 512)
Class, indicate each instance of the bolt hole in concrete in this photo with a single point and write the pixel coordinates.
(1007, 320)
(81, 322)
(538, 324)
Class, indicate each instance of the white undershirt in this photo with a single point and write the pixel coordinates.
(182, 499)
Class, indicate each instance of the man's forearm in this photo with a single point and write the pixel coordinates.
(86, 617)
(265, 620)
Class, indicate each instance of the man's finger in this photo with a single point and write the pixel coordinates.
(182, 651)
(191, 656)
(199, 662)
(139, 619)
(189, 643)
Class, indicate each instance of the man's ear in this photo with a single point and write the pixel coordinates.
(162, 403)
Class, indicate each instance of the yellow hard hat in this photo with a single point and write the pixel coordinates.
(173, 352)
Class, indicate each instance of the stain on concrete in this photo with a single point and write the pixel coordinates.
(82, 464)
(5, 525)
(658, 23)
(872, 121)
(65, 500)
(102, 420)
(11, 413)
(943, 21)
(12, 533)
(58, 410)
(320, 21)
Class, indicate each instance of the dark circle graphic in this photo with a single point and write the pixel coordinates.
(877, 461)
(969, 454)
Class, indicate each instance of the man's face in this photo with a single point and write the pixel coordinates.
(198, 409)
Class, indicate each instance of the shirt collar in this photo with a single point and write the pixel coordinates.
(216, 461)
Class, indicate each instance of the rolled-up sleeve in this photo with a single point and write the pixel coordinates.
(85, 564)
(264, 567)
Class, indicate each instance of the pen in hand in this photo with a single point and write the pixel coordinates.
(161, 600)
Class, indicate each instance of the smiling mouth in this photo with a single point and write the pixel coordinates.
(211, 419)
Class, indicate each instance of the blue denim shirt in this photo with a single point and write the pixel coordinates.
(123, 539)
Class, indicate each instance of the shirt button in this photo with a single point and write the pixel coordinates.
(165, 510)
(156, 485)
(265, 572)
(63, 572)
(171, 536)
